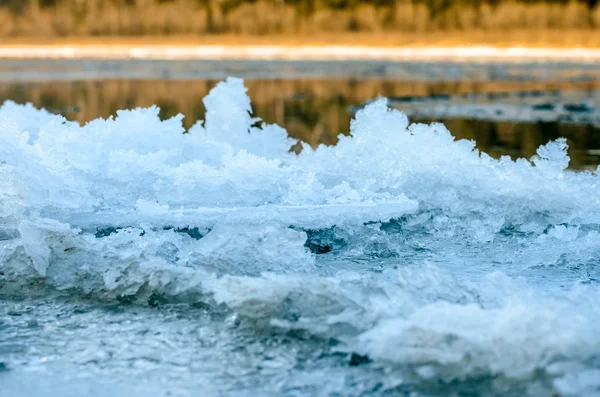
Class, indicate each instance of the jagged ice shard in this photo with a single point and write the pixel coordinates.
(428, 267)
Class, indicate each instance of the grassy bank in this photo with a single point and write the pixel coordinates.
(60, 18)
(583, 38)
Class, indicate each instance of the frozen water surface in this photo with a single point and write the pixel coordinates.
(137, 258)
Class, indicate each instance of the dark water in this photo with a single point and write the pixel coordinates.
(312, 101)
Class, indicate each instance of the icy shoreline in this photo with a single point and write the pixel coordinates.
(308, 53)
(219, 254)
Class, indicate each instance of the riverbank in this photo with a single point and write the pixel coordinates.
(453, 47)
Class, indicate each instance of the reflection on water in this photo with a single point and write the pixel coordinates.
(314, 110)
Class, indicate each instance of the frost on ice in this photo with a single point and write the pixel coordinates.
(391, 242)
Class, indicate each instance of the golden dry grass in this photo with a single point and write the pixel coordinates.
(400, 22)
(543, 38)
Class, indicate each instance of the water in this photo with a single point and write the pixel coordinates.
(399, 262)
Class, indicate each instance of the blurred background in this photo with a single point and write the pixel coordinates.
(508, 108)
(490, 19)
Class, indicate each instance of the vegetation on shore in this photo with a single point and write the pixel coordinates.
(85, 18)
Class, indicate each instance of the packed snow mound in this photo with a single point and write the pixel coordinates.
(400, 243)
(68, 188)
(136, 168)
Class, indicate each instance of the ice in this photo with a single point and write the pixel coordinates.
(435, 263)
(466, 341)
(572, 107)
(139, 168)
(437, 331)
(31, 120)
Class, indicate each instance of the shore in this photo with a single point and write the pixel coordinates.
(308, 53)
(340, 47)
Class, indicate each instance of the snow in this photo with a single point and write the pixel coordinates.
(438, 262)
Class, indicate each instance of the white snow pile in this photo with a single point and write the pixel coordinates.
(133, 206)
(111, 184)
(141, 190)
